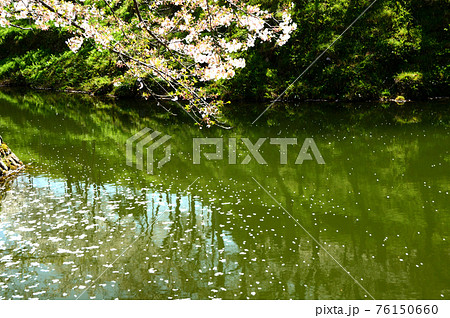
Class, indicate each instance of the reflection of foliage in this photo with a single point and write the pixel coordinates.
(99, 129)
(5, 185)
(384, 182)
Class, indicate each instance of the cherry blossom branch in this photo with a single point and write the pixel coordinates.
(183, 49)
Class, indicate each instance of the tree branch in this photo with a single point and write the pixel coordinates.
(48, 7)
(19, 27)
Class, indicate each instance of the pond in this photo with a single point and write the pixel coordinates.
(371, 222)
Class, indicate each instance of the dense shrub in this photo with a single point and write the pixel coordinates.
(396, 48)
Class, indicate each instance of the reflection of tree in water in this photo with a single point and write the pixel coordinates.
(201, 253)
(225, 239)
(5, 185)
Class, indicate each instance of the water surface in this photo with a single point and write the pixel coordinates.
(80, 223)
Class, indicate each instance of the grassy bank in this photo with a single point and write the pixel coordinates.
(398, 48)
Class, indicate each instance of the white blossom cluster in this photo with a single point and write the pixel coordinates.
(181, 48)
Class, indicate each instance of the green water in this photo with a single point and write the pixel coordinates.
(80, 223)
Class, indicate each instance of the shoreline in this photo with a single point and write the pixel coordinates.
(397, 100)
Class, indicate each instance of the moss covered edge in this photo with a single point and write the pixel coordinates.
(9, 162)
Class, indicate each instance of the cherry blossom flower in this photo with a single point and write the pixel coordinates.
(180, 48)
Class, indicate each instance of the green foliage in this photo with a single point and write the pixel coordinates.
(393, 37)
(409, 83)
(48, 63)
(396, 48)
